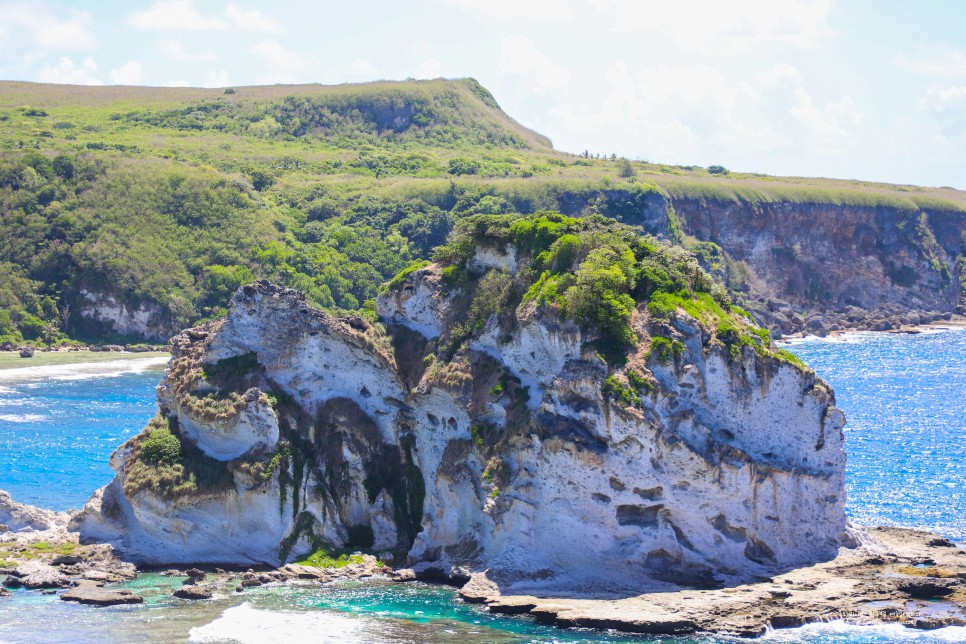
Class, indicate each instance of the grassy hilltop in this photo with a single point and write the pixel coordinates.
(173, 197)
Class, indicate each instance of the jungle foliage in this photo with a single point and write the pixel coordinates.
(173, 197)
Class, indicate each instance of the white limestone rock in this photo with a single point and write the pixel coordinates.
(146, 321)
(731, 468)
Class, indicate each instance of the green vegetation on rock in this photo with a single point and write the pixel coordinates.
(610, 279)
(323, 558)
(162, 463)
(171, 198)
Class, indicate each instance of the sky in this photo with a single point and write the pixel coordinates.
(872, 90)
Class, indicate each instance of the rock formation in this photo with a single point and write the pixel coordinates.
(817, 267)
(484, 422)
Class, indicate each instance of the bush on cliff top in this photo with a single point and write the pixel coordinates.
(595, 271)
(160, 462)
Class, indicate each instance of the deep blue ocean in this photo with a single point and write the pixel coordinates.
(59, 426)
(904, 397)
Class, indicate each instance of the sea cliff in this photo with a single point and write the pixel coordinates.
(481, 421)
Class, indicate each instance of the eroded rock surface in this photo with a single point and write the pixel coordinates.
(897, 576)
(730, 468)
(19, 517)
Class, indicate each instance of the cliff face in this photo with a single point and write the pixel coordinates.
(821, 267)
(148, 321)
(515, 450)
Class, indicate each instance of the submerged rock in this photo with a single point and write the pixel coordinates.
(193, 591)
(93, 594)
(928, 588)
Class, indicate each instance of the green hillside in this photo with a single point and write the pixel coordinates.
(172, 197)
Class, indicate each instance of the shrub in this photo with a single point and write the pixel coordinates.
(325, 558)
(455, 276)
(599, 299)
(615, 389)
(461, 166)
(161, 447)
(624, 169)
(665, 349)
(170, 468)
(638, 381)
(718, 169)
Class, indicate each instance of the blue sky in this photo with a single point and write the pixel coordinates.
(849, 89)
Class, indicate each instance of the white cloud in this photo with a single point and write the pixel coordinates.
(431, 68)
(251, 20)
(174, 50)
(177, 83)
(941, 99)
(549, 10)
(130, 73)
(66, 72)
(34, 26)
(697, 114)
(282, 65)
(830, 129)
(941, 60)
(181, 15)
(947, 108)
(422, 49)
(217, 78)
(687, 86)
(521, 57)
(360, 69)
(625, 119)
(781, 75)
(724, 27)
(174, 15)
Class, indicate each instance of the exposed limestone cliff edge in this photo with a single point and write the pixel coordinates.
(510, 446)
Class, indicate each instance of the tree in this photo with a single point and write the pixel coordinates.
(624, 168)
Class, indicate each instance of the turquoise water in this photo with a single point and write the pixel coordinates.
(351, 612)
(905, 398)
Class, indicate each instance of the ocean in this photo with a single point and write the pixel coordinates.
(904, 397)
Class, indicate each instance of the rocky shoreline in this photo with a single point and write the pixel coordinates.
(896, 576)
(783, 321)
(27, 351)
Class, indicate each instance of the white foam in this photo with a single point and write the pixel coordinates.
(79, 370)
(878, 632)
(244, 624)
(22, 418)
(856, 337)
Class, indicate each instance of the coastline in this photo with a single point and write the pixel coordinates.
(12, 360)
(957, 323)
(860, 588)
(78, 365)
(896, 576)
